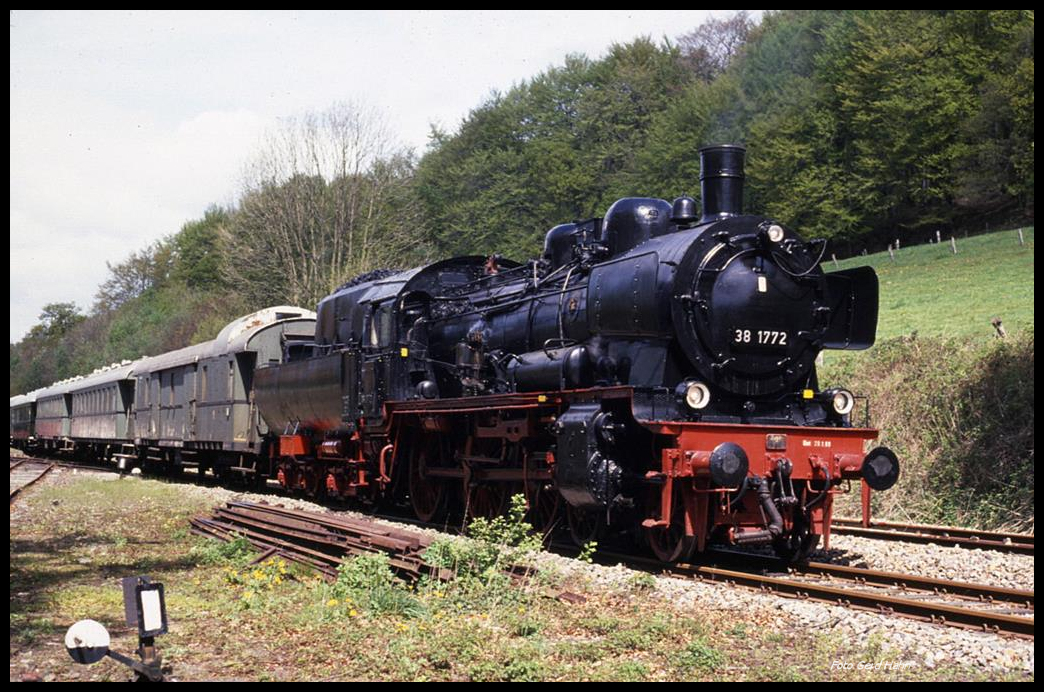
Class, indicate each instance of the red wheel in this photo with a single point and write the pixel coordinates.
(312, 480)
(585, 525)
(545, 507)
(427, 495)
(669, 543)
(289, 476)
(486, 500)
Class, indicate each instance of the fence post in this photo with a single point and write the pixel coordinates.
(1022, 241)
(837, 266)
(953, 244)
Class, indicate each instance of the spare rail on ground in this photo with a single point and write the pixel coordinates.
(320, 541)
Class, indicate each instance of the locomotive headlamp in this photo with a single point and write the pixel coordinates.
(697, 395)
(775, 233)
(842, 401)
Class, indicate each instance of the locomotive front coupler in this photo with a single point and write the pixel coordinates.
(775, 520)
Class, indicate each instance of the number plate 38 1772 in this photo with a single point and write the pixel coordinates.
(769, 339)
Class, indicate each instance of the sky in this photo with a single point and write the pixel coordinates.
(125, 125)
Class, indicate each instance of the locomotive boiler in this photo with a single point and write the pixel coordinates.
(651, 374)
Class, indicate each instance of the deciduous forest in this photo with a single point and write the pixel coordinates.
(861, 126)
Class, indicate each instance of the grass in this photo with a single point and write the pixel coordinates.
(929, 290)
(232, 620)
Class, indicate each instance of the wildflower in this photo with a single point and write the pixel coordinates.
(332, 602)
(353, 612)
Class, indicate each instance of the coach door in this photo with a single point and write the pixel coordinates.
(192, 392)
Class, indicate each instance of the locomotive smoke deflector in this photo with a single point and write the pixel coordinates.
(721, 181)
(852, 296)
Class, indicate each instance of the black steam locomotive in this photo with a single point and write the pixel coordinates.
(652, 373)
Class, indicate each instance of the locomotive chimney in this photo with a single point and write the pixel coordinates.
(721, 181)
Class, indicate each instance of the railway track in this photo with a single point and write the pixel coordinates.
(958, 604)
(25, 471)
(1021, 543)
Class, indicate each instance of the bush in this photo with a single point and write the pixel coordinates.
(960, 417)
(237, 552)
(496, 545)
(368, 582)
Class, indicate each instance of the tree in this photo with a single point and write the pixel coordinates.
(708, 50)
(138, 273)
(56, 320)
(197, 253)
(327, 198)
(46, 354)
(560, 147)
(997, 168)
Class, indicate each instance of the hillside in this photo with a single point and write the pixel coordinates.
(953, 400)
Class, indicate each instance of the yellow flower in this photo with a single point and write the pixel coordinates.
(353, 612)
(332, 602)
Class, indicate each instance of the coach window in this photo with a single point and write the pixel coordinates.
(203, 385)
(231, 379)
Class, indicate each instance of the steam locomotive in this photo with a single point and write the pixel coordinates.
(652, 374)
